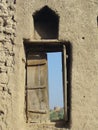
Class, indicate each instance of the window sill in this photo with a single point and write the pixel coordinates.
(54, 124)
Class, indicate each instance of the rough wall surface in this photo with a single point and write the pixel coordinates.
(79, 25)
(7, 41)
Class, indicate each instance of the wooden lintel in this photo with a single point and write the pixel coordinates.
(43, 41)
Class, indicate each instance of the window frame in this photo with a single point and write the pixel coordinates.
(53, 46)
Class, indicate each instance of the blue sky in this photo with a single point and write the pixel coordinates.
(55, 80)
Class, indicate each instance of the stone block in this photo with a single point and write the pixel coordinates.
(9, 23)
(8, 30)
(2, 38)
(1, 45)
(3, 78)
(8, 46)
(2, 56)
(1, 21)
(11, 7)
(9, 61)
(1, 29)
(3, 69)
(2, 86)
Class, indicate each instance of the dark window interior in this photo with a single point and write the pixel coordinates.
(46, 23)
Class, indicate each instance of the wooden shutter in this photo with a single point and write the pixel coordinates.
(37, 87)
(64, 81)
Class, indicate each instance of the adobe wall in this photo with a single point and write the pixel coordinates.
(78, 25)
(7, 62)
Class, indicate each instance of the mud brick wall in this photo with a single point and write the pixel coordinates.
(78, 24)
(7, 43)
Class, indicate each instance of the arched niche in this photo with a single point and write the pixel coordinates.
(46, 24)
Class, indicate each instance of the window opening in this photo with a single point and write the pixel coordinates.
(46, 24)
(37, 98)
(55, 86)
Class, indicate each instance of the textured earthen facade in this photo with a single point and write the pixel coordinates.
(78, 25)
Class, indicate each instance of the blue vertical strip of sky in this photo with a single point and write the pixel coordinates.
(55, 80)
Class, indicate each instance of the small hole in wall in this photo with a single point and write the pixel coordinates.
(83, 38)
(6, 1)
(14, 1)
(1, 112)
(5, 23)
(3, 89)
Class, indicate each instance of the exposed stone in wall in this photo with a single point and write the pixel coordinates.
(7, 36)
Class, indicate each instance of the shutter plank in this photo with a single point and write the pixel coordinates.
(37, 100)
(37, 76)
(36, 62)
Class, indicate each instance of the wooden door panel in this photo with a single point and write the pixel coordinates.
(37, 87)
(37, 76)
(37, 100)
(32, 77)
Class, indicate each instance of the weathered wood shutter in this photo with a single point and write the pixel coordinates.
(64, 81)
(37, 87)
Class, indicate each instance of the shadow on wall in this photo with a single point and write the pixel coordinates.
(69, 79)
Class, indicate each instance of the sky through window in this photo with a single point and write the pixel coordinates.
(55, 82)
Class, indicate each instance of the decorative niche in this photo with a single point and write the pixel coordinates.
(46, 24)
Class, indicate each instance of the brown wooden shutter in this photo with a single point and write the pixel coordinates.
(37, 87)
(64, 81)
